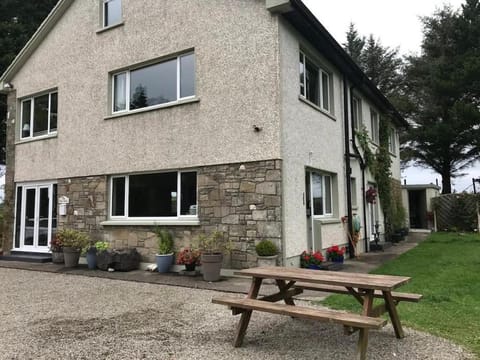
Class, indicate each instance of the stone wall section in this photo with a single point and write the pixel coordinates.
(244, 202)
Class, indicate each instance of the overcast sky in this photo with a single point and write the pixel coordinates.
(396, 24)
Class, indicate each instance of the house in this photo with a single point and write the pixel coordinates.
(193, 116)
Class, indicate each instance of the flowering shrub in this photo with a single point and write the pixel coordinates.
(188, 256)
(335, 252)
(310, 258)
(371, 195)
(56, 244)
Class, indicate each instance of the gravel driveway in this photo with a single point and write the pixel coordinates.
(58, 316)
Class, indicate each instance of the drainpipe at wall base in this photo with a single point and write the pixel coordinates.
(348, 169)
(362, 167)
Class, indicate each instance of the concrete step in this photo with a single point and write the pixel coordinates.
(24, 256)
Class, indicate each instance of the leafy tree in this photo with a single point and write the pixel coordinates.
(18, 21)
(443, 88)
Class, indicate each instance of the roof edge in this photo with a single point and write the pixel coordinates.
(36, 39)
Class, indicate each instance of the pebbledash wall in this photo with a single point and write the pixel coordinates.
(242, 200)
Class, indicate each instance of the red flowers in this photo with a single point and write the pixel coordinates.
(371, 195)
(310, 258)
(335, 252)
(188, 256)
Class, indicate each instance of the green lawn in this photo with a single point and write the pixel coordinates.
(445, 268)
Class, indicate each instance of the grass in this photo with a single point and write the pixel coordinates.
(445, 268)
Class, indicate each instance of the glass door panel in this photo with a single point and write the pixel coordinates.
(43, 217)
(29, 230)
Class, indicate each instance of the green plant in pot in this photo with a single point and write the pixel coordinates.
(165, 250)
(212, 248)
(73, 242)
(267, 253)
(92, 250)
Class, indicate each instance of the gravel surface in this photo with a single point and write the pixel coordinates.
(58, 316)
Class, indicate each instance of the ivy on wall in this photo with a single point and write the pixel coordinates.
(379, 164)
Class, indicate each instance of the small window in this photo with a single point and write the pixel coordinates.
(112, 12)
(392, 142)
(353, 190)
(314, 83)
(39, 115)
(165, 82)
(374, 126)
(321, 194)
(157, 195)
(356, 113)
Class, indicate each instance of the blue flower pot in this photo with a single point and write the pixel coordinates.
(314, 267)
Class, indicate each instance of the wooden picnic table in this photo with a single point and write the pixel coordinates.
(292, 281)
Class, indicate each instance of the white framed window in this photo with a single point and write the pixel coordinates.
(321, 194)
(315, 83)
(163, 195)
(39, 115)
(353, 191)
(356, 113)
(392, 141)
(374, 126)
(154, 85)
(111, 12)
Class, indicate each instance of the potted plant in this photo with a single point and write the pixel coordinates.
(165, 250)
(335, 254)
(311, 260)
(267, 253)
(91, 253)
(212, 248)
(73, 242)
(188, 257)
(56, 247)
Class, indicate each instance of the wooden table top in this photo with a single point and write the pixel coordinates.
(340, 278)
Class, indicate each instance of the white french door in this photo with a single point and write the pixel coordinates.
(36, 219)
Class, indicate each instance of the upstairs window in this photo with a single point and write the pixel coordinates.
(356, 113)
(156, 195)
(39, 115)
(112, 12)
(314, 83)
(374, 126)
(161, 83)
(392, 142)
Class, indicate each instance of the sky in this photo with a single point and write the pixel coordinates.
(396, 24)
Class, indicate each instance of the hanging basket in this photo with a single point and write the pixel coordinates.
(371, 195)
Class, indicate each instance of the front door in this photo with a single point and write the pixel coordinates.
(36, 220)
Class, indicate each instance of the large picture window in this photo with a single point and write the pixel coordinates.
(314, 83)
(161, 83)
(112, 12)
(157, 195)
(39, 115)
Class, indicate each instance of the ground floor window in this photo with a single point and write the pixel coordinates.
(154, 195)
(319, 193)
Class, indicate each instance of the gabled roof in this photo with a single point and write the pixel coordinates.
(302, 19)
(35, 41)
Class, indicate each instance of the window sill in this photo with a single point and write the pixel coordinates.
(328, 221)
(110, 27)
(191, 222)
(37, 138)
(152, 108)
(316, 107)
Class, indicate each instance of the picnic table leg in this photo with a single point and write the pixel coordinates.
(392, 311)
(363, 333)
(282, 286)
(245, 317)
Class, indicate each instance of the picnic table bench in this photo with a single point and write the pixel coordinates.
(364, 287)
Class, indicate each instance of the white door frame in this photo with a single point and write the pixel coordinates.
(36, 222)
